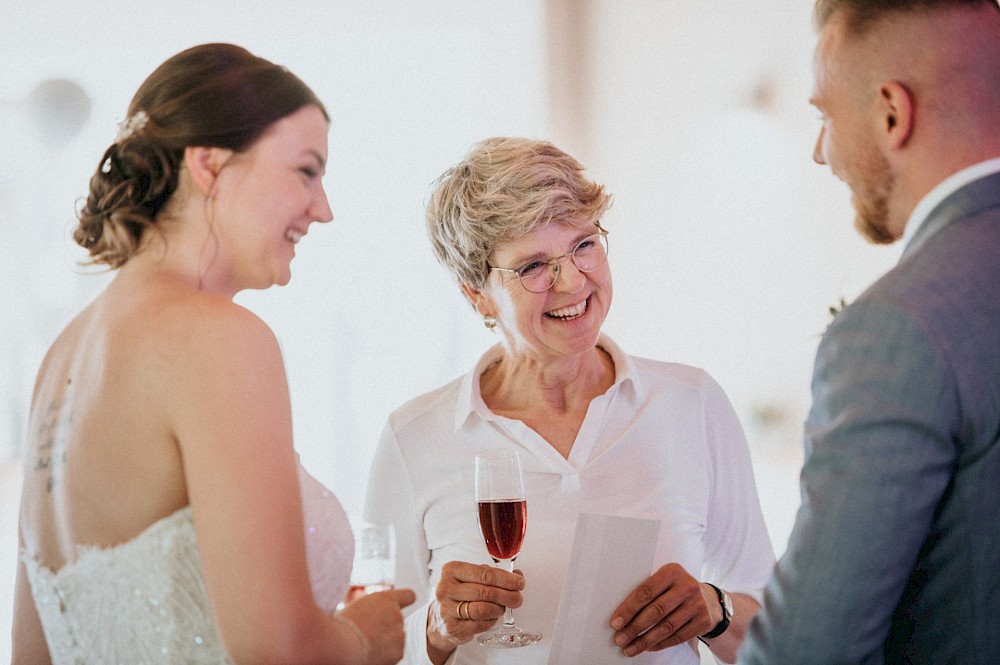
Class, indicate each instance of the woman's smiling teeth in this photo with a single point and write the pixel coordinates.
(293, 235)
(567, 313)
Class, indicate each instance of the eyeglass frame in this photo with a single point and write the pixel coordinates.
(557, 260)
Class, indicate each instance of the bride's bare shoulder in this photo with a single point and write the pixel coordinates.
(177, 334)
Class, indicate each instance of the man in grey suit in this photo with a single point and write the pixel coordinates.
(895, 553)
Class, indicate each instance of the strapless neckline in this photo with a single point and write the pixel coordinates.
(144, 601)
(86, 553)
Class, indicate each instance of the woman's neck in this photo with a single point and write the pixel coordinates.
(517, 384)
(183, 251)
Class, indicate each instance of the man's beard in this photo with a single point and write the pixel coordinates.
(871, 201)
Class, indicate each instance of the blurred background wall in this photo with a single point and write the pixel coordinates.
(728, 245)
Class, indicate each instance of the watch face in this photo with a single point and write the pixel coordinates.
(727, 602)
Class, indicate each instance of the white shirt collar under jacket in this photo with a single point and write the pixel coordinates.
(943, 190)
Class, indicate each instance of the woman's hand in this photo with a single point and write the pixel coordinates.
(468, 600)
(378, 620)
(669, 608)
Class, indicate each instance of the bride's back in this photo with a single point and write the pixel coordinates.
(109, 545)
(102, 463)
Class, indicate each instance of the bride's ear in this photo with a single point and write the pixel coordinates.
(204, 164)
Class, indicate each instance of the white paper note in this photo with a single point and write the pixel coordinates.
(610, 557)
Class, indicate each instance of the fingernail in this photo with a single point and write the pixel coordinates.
(617, 623)
(621, 640)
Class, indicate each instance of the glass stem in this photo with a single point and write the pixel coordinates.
(508, 615)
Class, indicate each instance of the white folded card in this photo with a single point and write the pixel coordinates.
(610, 557)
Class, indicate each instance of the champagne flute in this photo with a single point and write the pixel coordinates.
(503, 518)
(374, 567)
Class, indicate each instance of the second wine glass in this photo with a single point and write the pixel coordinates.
(374, 567)
(503, 519)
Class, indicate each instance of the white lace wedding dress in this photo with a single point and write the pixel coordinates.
(144, 601)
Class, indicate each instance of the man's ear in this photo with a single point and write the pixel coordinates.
(896, 113)
(204, 165)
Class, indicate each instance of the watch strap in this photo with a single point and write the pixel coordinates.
(720, 627)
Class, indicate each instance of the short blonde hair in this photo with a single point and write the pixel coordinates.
(505, 188)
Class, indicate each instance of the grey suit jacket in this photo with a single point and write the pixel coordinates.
(895, 553)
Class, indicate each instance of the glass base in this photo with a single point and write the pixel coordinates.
(509, 640)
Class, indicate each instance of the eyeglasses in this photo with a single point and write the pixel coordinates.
(540, 275)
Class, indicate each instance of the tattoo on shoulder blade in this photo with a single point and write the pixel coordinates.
(52, 443)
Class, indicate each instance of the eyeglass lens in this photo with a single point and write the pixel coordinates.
(587, 256)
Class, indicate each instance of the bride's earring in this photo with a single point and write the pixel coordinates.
(490, 322)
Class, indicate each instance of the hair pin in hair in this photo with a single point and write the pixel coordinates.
(129, 127)
(106, 166)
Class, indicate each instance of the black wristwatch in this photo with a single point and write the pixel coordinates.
(727, 613)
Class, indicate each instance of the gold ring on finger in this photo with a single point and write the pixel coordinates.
(463, 608)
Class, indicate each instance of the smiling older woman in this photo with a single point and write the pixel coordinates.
(518, 224)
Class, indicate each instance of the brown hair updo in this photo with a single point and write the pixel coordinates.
(214, 95)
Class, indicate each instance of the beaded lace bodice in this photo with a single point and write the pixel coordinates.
(144, 601)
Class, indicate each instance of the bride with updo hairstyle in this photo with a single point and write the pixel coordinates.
(215, 95)
(165, 517)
